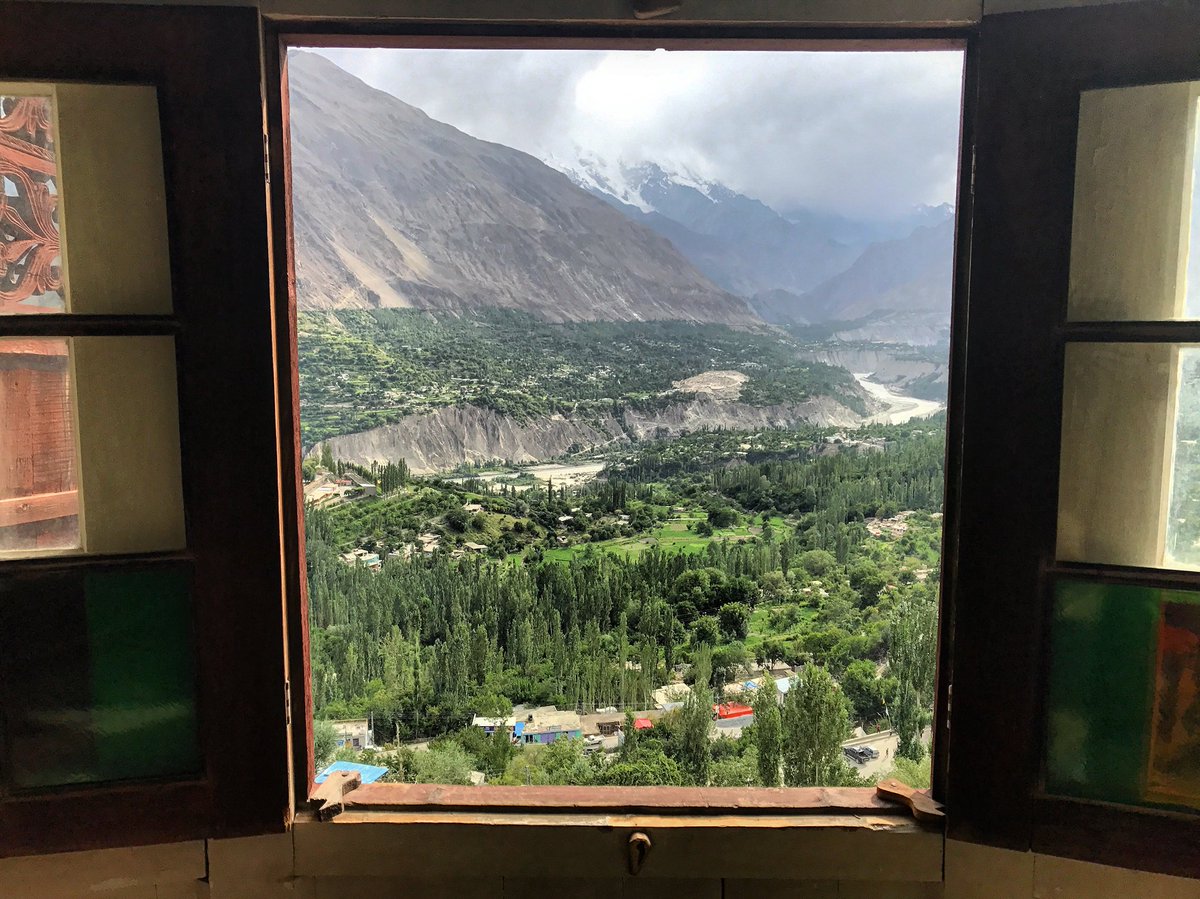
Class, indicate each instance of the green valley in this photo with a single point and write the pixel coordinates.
(697, 562)
(361, 369)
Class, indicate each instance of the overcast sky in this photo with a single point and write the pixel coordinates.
(862, 134)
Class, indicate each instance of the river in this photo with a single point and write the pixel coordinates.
(900, 408)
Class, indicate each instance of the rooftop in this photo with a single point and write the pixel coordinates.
(370, 773)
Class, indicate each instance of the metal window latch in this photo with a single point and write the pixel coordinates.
(330, 797)
(639, 848)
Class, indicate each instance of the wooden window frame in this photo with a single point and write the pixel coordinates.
(1023, 75)
(1032, 68)
(282, 33)
(215, 210)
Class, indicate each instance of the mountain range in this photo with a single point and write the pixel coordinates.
(802, 268)
(396, 209)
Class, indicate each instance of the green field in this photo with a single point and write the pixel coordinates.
(672, 537)
(760, 628)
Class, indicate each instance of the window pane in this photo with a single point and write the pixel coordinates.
(1123, 708)
(98, 677)
(129, 444)
(1129, 487)
(1119, 405)
(1192, 305)
(31, 275)
(39, 495)
(1134, 204)
(83, 223)
(1183, 522)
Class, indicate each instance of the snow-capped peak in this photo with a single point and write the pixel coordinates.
(598, 175)
(628, 182)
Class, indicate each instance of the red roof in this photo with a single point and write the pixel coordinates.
(732, 710)
(643, 724)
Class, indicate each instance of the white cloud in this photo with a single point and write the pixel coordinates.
(863, 134)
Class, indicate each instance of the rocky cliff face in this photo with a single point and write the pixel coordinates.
(441, 440)
(394, 209)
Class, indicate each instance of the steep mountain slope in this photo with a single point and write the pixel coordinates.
(394, 209)
(897, 291)
(911, 274)
(742, 244)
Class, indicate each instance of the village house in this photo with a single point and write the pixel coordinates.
(893, 528)
(671, 693)
(360, 556)
(547, 724)
(354, 733)
(366, 485)
(490, 725)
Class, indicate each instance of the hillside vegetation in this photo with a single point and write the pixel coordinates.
(361, 369)
(676, 561)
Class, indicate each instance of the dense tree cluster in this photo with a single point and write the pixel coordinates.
(433, 638)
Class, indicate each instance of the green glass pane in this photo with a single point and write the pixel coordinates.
(99, 684)
(1123, 710)
(142, 673)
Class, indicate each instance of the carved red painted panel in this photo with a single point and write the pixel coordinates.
(31, 269)
(39, 495)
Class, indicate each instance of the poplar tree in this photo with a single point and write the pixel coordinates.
(912, 661)
(815, 722)
(695, 722)
(768, 731)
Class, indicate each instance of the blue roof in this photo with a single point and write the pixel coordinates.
(783, 684)
(750, 685)
(370, 773)
(518, 728)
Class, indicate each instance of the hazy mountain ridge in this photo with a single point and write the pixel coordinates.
(740, 243)
(910, 274)
(897, 291)
(799, 268)
(395, 209)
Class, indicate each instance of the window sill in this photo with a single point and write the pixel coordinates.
(431, 831)
(692, 801)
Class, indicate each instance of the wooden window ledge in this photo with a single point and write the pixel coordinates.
(434, 831)
(691, 801)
